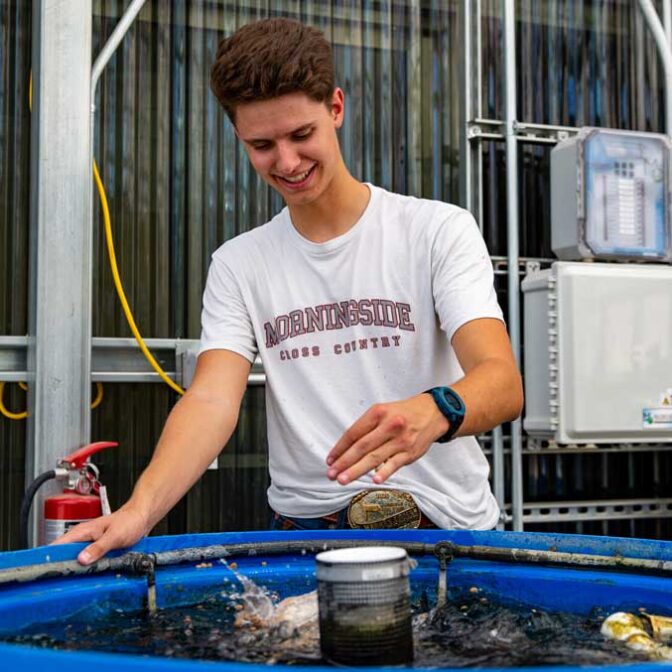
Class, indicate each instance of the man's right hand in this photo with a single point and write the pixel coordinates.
(120, 529)
(197, 428)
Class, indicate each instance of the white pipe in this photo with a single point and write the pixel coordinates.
(112, 43)
(664, 51)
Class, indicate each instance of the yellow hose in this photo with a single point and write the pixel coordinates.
(99, 396)
(24, 414)
(119, 287)
(3, 409)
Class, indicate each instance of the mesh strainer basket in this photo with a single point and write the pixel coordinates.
(365, 606)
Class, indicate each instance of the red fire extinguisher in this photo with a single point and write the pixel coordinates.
(83, 497)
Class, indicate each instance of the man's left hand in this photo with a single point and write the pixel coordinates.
(387, 437)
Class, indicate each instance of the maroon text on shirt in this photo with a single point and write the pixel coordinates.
(331, 316)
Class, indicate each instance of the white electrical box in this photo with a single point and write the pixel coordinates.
(610, 196)
(598, 353)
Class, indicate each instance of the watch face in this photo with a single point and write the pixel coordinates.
(453, 399)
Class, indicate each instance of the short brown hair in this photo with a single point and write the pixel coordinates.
(270, 58)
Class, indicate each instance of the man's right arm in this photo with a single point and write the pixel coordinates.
(198, 426)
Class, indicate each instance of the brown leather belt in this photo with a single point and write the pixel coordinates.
(385, 509)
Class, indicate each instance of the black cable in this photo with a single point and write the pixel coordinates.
(27, 502)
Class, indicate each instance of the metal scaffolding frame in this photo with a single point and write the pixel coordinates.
(511, 131)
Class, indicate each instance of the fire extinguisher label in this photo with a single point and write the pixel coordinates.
(53, 529)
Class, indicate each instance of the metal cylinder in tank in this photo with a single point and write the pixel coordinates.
(364, 600)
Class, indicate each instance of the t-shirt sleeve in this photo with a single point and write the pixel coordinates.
(462, 275)
(225, 319)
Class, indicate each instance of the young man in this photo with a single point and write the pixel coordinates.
(363, 306)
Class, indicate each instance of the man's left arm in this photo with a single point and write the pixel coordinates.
(391, 435)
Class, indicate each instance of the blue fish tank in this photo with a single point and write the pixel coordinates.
(242, 601)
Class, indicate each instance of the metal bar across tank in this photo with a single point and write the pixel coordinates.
(135, 562)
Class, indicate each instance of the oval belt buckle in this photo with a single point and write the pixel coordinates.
(383, 509)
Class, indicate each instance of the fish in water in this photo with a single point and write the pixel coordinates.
(640, 633)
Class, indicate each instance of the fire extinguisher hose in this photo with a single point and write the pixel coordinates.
(27, 502)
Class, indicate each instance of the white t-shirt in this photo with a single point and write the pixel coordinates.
(364, 318)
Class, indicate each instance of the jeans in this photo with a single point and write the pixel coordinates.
(335, 521)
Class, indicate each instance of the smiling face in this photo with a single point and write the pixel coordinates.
(291, 142)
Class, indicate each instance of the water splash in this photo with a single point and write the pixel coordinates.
(256, 602)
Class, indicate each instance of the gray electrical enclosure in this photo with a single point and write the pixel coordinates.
(610, 195)
(598, 353)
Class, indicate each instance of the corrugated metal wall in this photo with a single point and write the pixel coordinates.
(179, 185)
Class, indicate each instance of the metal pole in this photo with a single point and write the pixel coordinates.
(512, 245)
(664, 51)
(471, 196)
(478, 151)
(465, 104)
(667, 26)
(498, 485)
(59, 344)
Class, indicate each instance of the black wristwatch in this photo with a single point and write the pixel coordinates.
(451, 405)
